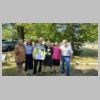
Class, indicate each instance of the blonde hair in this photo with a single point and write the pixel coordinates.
(64, 41)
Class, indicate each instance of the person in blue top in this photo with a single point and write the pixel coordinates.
(29, 58)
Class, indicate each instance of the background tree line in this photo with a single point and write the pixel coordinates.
(73, 32)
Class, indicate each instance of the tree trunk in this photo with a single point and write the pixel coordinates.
(20, 30)
(73, 37)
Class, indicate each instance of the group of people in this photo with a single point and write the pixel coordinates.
(53, 55)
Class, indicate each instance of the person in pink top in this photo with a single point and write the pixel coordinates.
(56, 56)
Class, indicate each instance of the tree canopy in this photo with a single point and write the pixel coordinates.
(74, 32)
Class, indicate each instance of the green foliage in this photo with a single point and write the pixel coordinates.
(74, 32)
(9, 31)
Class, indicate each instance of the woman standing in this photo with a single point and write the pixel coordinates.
(29, 58)
(48, 58)
(19, 57)
(56, 57)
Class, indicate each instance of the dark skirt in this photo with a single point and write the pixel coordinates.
(29, 62)
(48, 61)
(56, 62)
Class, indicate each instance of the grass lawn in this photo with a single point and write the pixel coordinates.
(84, 65)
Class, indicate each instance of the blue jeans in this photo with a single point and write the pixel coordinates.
(65, 60)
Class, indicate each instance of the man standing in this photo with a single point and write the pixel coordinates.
(38, 55)
(66, 53)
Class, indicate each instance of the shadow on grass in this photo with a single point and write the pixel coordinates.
(74, 72)
(9, 72)
(89, 53)
(88, 72)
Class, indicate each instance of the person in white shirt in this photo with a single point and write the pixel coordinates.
(66, 53)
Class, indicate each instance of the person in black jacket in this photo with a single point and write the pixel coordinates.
(48, 58)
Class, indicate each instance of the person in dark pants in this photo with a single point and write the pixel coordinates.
(36, 64)
(48, 58)
(56, 57)
(29, 58)
(39, 55)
